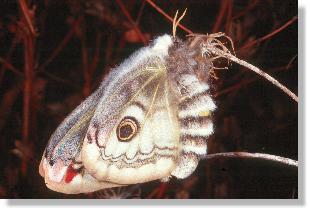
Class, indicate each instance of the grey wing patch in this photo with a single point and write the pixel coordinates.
(66, 141)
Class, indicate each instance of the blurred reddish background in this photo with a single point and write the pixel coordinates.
(55, 53)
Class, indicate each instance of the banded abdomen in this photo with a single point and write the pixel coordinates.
(195, 106)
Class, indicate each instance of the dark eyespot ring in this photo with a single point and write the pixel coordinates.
(127, 129)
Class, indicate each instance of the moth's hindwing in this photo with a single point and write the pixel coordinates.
(151, 152)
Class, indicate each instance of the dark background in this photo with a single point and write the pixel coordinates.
(45, 76)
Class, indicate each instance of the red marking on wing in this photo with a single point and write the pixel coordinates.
(71, 173)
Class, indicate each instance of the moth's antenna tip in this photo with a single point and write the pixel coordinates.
(177, 21)
(174, 24)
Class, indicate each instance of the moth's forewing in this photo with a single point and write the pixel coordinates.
(64, 146)
(140, 93)
(62, 165)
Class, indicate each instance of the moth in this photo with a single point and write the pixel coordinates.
(150, 119)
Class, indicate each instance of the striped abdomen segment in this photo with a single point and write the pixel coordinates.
(195, 108)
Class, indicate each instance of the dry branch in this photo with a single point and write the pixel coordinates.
(131, 21)
(248, 155)
(259, 72)
(270, 34)
(241, 84)
(62, 44)
(10, 67)
(29, 46)
(220, 16)
(215, 49)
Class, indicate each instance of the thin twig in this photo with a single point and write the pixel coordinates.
(96, 56)
(29, 48)
(167, 16)
(9, 66)
(158, 192)
(248, 155)
(140, 13)
(27, 16)
(229, 15)
(250, 6)
(6, 103)
(60, 80)
(231, 57)
(270, 34)
(152, 194)
(220, 16)
(291, 61)
(161, 190)
(61, 45)
(85, 66)
(246, 82)
(7, 58)
(132, 22)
